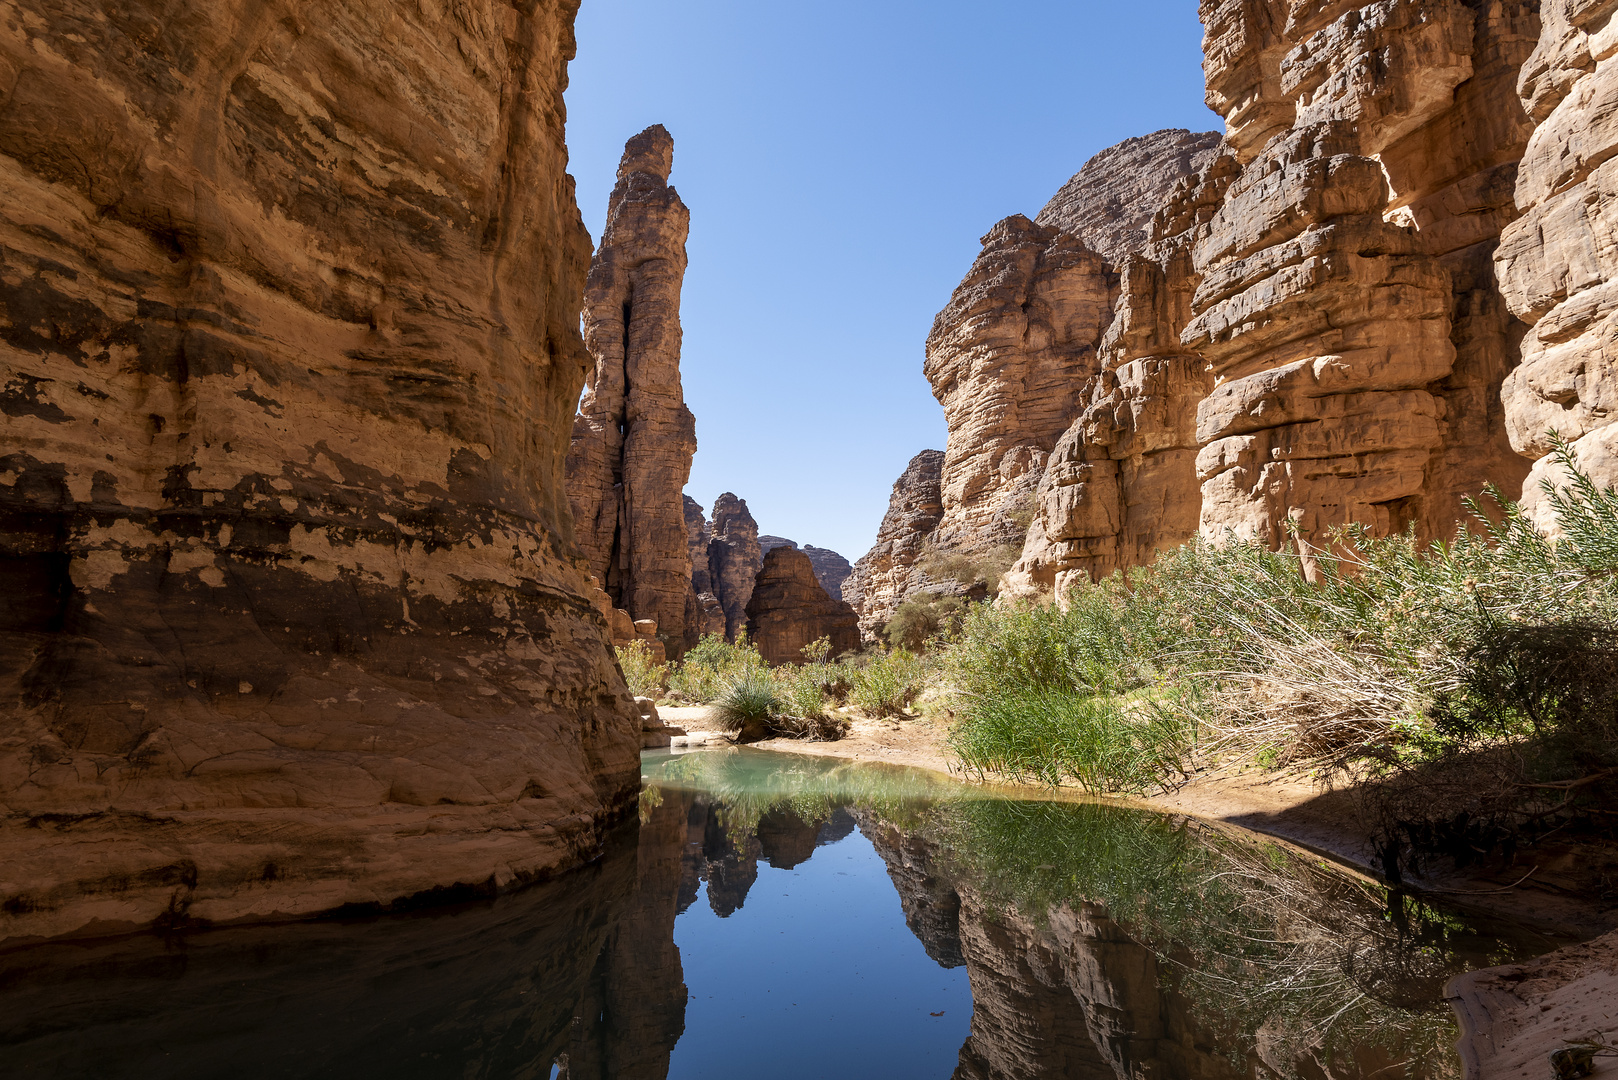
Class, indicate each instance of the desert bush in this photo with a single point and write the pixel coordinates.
(977, 568)
(1381, 656)
(708, 668)
(922, 619)
(645, 677)
(748, 703)
(885, 682)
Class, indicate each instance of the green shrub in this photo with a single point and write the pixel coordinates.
(748, 703)
(968, 569)
(705, 671)
(645, 677)
(886, 682)
(1104, 743)
(923, 618)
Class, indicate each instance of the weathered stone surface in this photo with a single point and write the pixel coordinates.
(1110, 202)
(831, 569)
(1556, 264)
(888, 572)
(292, 619)
(1121, 482)
(1346, 306)
(1007, 359)
(633, 440)
(734, 559)
(788, 609)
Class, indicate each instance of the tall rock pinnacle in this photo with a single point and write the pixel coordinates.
(633, 439)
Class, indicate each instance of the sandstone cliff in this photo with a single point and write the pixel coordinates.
(888, 572)
(831, 569)
(734, 559)
(1110, 202)
(788, 609)
(1555, 263)
(1312, 333)
(291, 299)
(634, 438)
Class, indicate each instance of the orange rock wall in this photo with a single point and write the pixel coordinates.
(290, 351)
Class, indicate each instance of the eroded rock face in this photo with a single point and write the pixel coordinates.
(1110, 202)
(634, 438)
(889, 572)
(831, 569)
(734, 559)
(1345, 305)
(1121, 482)
(291, 619)
(788, 609)
(1007, 359)
(1555, 264)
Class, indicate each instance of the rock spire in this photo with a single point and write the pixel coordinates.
(634, 438)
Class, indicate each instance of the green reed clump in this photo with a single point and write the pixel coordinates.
(749, 703)
(1376, 654)
(886, 682)
(645, 677)
(711, 666)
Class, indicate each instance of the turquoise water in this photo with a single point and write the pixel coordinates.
(771, 915)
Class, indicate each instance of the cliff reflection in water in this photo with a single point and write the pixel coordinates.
(1099, 941)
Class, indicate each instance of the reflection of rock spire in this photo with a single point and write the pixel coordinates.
(634, 438)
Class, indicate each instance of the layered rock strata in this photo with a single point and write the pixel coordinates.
(831, 569)
(734, 559)
(708, 614)
(1320, 296)
(1122, 482)
(1007, 359)
(633, 440)
(1346, 308)
(1110, 202)
(889, 572)
(290, 336)
(1556, 263)
(788, 609)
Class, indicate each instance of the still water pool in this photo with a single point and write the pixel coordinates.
(772, 915)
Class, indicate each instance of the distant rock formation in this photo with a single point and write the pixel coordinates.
(734, 559)
(634, 438)
(888, 573)
(292, 618)
(709, 614)
(1109, 203)
(831, 569)
(788, 609)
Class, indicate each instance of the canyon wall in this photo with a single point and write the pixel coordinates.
(1347, 308)
(633, 440)
(1556, 263)
(291, 616)
(889, 572)
(1313, 325)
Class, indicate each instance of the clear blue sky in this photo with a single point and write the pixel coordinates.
(841, 159)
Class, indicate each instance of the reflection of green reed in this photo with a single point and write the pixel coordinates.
(1253, 935)
(751, 783)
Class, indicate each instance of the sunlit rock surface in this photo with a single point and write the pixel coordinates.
(1555, 264)
(290, 338)
(633, 440)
